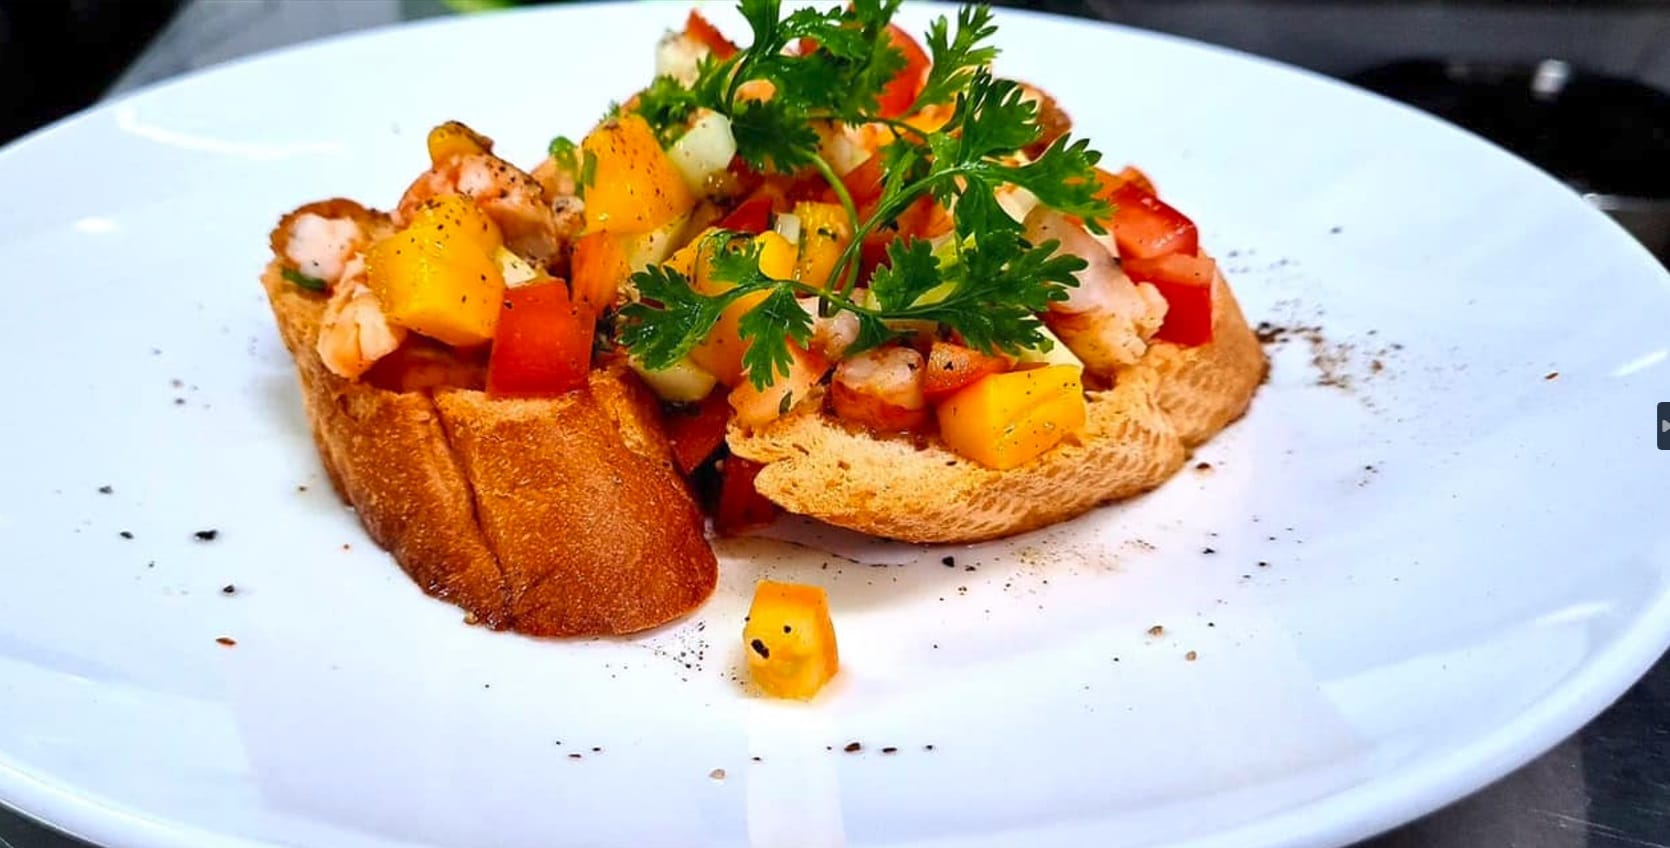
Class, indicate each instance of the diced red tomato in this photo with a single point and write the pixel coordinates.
(1109, 182)
(697, 434)
(752, 216)
(952, 366)
(1186, 284)
(741, 506)
(699, 28)
(862, 182)
(900, 92)
(542, 346)
(1144, 226)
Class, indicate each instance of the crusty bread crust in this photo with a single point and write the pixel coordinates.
(1136, 436)
(558, 517)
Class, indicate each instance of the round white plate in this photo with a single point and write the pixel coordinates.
(1422, 559)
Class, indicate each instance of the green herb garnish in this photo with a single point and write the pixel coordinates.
(991, 287)
(313, 284)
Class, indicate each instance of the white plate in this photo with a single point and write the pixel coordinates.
(1417, 580)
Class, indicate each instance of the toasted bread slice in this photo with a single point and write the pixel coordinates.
(1136, 436)
(551, 517)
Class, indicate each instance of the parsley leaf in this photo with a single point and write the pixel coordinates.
(913, 272)
(313, 284)
(666, 105)
(565, 153)
(955, 59)
(763, 328)
(772, 133)
(1000, 285)
(662, 335)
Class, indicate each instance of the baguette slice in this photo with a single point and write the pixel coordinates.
(551, 517)
(1137, 435)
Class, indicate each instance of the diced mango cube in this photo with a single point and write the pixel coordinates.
(790, 640)
(438, 276)
(1003, 420)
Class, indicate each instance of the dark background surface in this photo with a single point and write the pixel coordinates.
(1607, 130)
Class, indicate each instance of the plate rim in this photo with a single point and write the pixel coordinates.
(1384, 801)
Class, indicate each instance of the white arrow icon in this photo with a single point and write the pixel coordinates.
(1664, 426)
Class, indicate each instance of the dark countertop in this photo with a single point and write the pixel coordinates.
(1606, 787)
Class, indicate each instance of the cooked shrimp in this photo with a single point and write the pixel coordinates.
(881, 389)
(1106, 319)
(509, 196)
(319, 239)
(833, 334)
(354, 333)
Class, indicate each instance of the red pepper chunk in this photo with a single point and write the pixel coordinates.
(952, 367)
(741, 506)
(1186, 284)
(752, 216)
(695, 436)
(1144, 226)
(702, 30)
(542, 345)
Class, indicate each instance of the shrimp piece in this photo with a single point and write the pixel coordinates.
(1106, 319)
(833, 334)
(881, 389)
(354, 333)
(509, 196)
(320, 238)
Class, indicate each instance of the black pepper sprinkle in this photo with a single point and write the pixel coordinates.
(853, 748)
(760, 648)
(228, 589)
(890, 750)
(206, 535)
(574, 756)
(787, 629)
(927, 747)
(1208, 550)
(596, 750)
(507, 304)
(949, 562)
(126, 534)
(756, 759)
(105, 490)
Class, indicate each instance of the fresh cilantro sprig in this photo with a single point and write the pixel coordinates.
(991, 285)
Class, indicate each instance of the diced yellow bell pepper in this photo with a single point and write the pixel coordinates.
(720, 354)
(825, 231)
(438, 276)
(1003, 420)
(789, 640)
(630, 184)
(454, 139)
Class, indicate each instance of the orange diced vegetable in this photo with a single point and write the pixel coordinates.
(720, 354)
(1004, 420)
(630, 184)
(951, 367)
(454, 139)
(599, 267)
(438, 276)
(825, 232)
(790, 640)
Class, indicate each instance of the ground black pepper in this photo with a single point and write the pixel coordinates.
(227, 641)
(228, 589)
(126, 534)
(949, 562)
(105, 490)
(206, 535)
(760, 648)
(853, 748)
